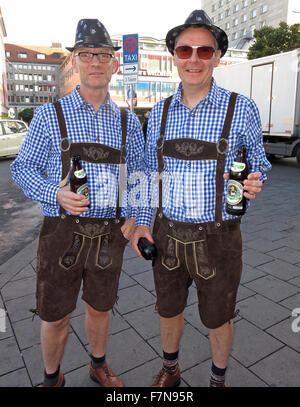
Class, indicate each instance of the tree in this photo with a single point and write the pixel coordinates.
(270, 40)
(26, 115)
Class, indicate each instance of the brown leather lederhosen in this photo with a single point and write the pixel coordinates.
(74, 248)
(208, 253)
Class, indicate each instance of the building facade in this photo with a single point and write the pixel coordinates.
(157, 77)
(32, 75)
(239, 18)
(3, 84)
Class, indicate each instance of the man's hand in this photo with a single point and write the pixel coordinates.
(140, 231)
(128, 228)
(252, 185)
(74, 203)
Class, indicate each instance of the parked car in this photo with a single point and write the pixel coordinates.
(12, 134)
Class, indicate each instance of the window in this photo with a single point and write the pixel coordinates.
(235, 22)
(244, 18)
(214, 7)
(262, 24)
(22, 55)
(221, 3)
(227, 26)
(7, 53)
(264, 9)
(227, 12)
(245, 3)
(236, 8)
(221, 16)
(41, 56)
(252, 28)
(244, 32)
(253, 1)
(253, 13)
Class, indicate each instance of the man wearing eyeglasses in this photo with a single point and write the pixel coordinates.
(81, 240)
(192, 140)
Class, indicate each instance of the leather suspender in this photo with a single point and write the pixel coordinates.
(221, 147)
(65, 145)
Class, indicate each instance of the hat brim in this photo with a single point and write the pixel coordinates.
(218, 33)
(71, 49)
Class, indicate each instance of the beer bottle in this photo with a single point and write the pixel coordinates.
(78, 178)
(235, 200)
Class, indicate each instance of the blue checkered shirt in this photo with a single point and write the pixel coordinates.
(189, 186)
(37, 168)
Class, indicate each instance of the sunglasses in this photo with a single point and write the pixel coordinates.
(186, 51)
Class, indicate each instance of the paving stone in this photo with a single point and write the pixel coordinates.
(280, 269)
(272, 288)
(125, 281)
(243, 293)
(145, 279)
(129, 253)
(11, 358)
(254, 258)
(19, 288)
(261, 311)
(269, 234)
(250, 273)
(236, 375)
(136, 265)
(145, 321)
(276, 369)
(17, 378)
(28, 271)
(18, 309)
(194, 347)
(80, 378)
(263, 245)
(75, 356)
(27, 332)
(133, 298)
(285, 333)
(127, 350)
(292, 302)
(251, 344)
(144, 375)
(287, 254)
(292, 242)
(295, 281)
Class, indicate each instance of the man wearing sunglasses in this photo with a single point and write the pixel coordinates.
(81, 240)
(192, 140)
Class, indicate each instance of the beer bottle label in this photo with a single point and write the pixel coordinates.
(79, 173)
(83, 190)
(237, 167)
(234, 192)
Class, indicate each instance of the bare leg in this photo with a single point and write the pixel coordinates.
(220, 340)
(53, 340)
(97, 329)
(171, 331)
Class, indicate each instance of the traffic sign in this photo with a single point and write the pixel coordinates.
(130, 79)
(130, 69)
(130, 49)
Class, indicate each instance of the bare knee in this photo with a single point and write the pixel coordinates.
(59, 325)
(93, 313)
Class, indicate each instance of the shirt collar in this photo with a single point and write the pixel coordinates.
(212, 96)
(78, 101)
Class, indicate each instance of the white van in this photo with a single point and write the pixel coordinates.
(12, 134)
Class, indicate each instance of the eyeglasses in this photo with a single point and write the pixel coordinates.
(88, 56)
(186, 51)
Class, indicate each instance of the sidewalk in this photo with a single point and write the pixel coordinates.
(266, 351)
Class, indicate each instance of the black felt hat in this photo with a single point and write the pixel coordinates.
(91, 33)
(198, 18)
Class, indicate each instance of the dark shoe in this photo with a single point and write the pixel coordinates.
(105, 377)
(165, 379)
(60, 381)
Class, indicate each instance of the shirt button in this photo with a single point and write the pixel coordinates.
(105, 223)
(188, 165)
(192, 114)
